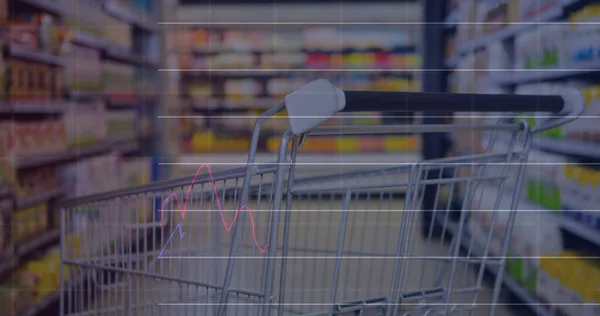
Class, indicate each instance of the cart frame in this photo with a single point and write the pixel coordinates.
(307, 108)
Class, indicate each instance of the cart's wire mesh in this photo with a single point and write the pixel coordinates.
(349, 243)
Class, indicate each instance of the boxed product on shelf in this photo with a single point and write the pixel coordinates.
(37, 31)
(117, 32)
(34, 182)
(541, 187)
(208, 141)
(30, 81)
(121, 125)
(282, 60)
(29, 223)
(83, 17)
(47, 273)
(529, 9)
(571, 282)
(18, 293)
(579, 194)
(85, 123)
(32, 138)
(91, 176)
(6, 243)
(119, 80)
(242, 88)
(83, 68)
(541, 48)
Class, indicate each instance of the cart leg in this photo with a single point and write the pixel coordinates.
(273, 236)
(286, 227)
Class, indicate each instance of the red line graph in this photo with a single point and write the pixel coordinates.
(227, 226)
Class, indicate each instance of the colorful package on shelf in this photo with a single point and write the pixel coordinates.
(117, 32)
(29, 222)
(541, 187)
(83, 69)
(583, 35)
(494, 16)
(6, 243)
(234, 61)
(136, 172)
(541, 48)
(579, 187)
(18, 293)
(33, 138)
(207, 142)
(571, 282)
(282, 61)
(242, 88)
(121, 125)
(47, 271)
(31, 81)
(119, 80)
(33, 182)
(36, 31)
(529, 9)
(91, 176)
(85, 123)
(83, 17)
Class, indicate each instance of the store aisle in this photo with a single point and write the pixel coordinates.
(365, 272)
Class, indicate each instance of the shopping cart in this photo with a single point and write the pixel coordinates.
(258, 240)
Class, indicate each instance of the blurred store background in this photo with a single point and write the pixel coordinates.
(97, 95)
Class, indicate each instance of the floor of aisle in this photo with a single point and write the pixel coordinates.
(192, 257)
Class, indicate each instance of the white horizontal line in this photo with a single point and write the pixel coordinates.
(384, 304)
(373, 70)
(385, 210)
(399, 109)
(378, 257)
(382, 23)
(341, 163)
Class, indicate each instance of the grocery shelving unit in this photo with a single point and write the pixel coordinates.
(575, 216)
(218, 65)
(64, 103)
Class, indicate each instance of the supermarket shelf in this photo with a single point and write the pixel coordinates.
(37, 243)
(118, 11)
(37, 107)
(39, 199)
(73, 154)
(215, 103)
(534, 75)
(90, 41)
(86, 94)
(476, 250)
(49, 6)
(42, 305)
(23, 52)
(127, 146)
(567, 147)
(579, 229)
(122, 54)
(509, 31)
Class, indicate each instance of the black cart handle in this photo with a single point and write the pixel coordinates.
(317, 101)
(376, 101)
